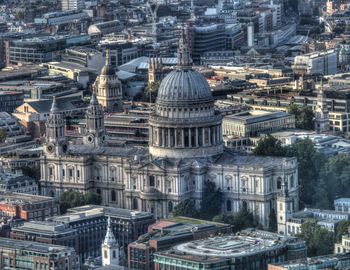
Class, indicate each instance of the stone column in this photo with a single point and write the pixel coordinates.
(196, 137)
(217, 134)
(169, 139)
(189, 137)
(163, 137)
(183, 137)
(209, 136)
(203, 137)
(175, 137)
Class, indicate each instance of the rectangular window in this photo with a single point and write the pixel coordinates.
(105, 254)
(50, 171)
(78, 173)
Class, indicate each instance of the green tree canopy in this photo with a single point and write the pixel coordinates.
(186, 208)
(269, 146)
(304, 116)
(334, 181)
(3, 135)
(341, 229)
(319, 241)
(72, 198)
(310, 162)
(241, 220)
(211, 201)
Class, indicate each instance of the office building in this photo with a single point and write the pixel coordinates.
(18, 183)
(9, 101)
(167, 233)
(72, 4)
(255, 123)
(248, 249)
(27, 207)
(25, 255)
(318, 63)
(326, 262)
(207, 38)
(47, 232)
(90, 222)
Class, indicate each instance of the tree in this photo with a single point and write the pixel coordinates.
(186, 208)
(334, 181)
(319, 241)
(241, 220)
(304, 116)
(269, 146)
(72, 198)
(3, 135)
(211, 201)
(341, 229)
(310, 162)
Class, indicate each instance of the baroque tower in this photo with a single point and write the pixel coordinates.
(95, 130)
(110, 248)
(284, 208)
(155, 70)
(55, 138)
(108, 88)
(321, 112)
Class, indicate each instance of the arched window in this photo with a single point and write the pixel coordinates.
(113, 195)
(114, 254)
(134, 204)
(228, 206)
(170, 207)
(279, 183)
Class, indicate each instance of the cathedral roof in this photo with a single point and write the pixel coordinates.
(184, 85)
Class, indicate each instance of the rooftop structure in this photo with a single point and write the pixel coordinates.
(336, 261)
(167, 233)
(254, 123)
(18, 183)
(232, 251)
(27, 254)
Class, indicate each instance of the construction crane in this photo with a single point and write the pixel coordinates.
(154, 17)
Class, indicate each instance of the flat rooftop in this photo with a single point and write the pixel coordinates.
(256, 116)
(21, 198)
(90, 211)
(44, 228)
(246, 242)
(32, 246)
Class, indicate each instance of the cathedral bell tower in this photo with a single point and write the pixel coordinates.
(108, 88)
(155, 70)
(56, 143)
(321, 112)
(284, 209)
(95, 130)
(110, 248)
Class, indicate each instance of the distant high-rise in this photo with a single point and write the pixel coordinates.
(72, 5)
(250, 35)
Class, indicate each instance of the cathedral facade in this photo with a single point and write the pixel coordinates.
(185, 150)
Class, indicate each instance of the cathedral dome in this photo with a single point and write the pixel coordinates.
(184, 86)
(185, 123)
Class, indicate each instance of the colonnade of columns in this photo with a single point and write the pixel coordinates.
(185, 137)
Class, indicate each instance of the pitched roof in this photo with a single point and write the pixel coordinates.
(63, 104)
